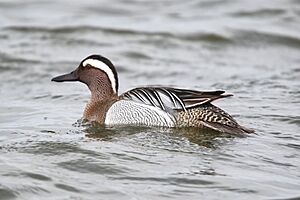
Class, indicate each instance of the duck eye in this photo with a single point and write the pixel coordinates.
(88, 66)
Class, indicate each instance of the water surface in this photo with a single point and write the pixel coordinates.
(248, 48)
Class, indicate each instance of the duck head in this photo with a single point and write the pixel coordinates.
(98, 73)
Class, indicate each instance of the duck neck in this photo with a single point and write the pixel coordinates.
(100, 102)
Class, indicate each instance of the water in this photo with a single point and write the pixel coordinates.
(248, 48)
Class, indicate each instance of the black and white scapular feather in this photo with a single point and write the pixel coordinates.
(167, 98)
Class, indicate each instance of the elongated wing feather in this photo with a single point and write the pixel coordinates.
(167, 98)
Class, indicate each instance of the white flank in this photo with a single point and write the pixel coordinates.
(102, 66)
(130, 112)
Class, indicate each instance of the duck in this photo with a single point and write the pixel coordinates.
(149, 105)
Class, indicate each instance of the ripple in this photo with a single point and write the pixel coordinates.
(72, 29)
(67, 188)
(294, 146)
(6, 193)
(36, 176)
(197, 36)
(33, 189)
(57, 96)
(4, 68)
(259, 13)
(88, 166)
(42, 96)
(290, 119)
(51, 148)
(290, 198)
(175, 181)
(211, 3)
(136, 55)
(254, 37)
(276, 163)
(206, 37)
(9, 59)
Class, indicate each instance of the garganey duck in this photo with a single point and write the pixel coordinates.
(147, 106)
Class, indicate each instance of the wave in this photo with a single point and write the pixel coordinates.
(251, 37)
(195, 36)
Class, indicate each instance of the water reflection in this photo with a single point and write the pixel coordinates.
(202, 137)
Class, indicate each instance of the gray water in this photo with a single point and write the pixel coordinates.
(248, 48)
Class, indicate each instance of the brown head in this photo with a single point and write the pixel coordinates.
(98, 73)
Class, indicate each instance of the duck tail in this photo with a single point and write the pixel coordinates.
(247, 130)
(236, 130)
(221, 121)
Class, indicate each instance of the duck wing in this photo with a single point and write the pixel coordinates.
(167, 98)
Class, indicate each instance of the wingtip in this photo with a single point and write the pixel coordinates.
(227, 95)
(247, 130)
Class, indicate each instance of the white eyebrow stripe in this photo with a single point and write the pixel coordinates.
(102, 66)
